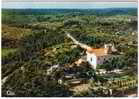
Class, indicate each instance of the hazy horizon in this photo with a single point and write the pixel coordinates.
(67, 5)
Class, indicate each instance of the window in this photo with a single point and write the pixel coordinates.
(104, 59)
(98, 58)
(91, 59)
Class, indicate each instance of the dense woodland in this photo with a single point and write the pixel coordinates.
(34, 40)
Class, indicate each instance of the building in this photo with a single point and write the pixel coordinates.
(97, 56)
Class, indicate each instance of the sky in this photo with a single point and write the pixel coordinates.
(68, 5)
(69, 0)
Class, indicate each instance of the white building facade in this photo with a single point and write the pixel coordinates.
(92, 59)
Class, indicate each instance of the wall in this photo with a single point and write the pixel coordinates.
(91, 58)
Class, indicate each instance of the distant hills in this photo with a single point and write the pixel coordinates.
(98, 12)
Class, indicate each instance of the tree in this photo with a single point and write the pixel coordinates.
(114, 63)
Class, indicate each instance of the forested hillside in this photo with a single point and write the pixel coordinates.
(34, 40)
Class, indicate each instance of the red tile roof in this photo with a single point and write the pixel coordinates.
(98, 51)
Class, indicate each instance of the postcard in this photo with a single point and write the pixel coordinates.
(69, 48)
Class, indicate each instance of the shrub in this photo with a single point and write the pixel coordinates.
(114, 63)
